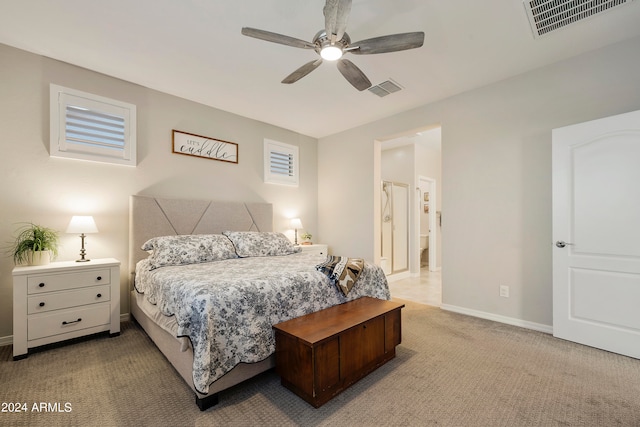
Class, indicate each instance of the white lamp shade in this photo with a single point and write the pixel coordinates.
(296, 223)
(82, 224)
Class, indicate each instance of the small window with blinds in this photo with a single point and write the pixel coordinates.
(280, 163)
(91, 127)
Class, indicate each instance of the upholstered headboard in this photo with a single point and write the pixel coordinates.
(154, 216)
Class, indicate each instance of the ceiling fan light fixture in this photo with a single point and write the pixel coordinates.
(332, 42)
(331, 53)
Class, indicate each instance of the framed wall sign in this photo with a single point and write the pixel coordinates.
(202, 146)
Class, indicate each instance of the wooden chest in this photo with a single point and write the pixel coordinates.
(321, 354)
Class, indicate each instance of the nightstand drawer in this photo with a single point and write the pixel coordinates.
(319, 249)
(40, 303)
(62, 321)
(58, 282)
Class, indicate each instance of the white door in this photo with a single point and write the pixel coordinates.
(596, 233)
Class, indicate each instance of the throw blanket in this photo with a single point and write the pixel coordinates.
(342, 271)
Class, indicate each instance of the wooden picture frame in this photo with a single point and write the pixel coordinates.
(191, 144)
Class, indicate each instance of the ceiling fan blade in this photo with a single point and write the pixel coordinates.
(302, 71)
(336, 15)
(353, 74)
(277, 38)
(391, 43)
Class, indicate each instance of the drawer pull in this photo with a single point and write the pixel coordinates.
(99, 295)
(73, 321)
(99, 278)
(41, 285)
(41, 304)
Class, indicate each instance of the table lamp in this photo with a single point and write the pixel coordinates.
(83, 225)
(296, 224)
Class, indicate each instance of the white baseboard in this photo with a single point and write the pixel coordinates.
(498, 318)
(8, 340)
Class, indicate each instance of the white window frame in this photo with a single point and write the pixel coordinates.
(61, 146)
(273, 173)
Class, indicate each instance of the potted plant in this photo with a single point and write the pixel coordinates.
(306, 239)
(35, 245)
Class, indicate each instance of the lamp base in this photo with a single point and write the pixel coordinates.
(82, 250)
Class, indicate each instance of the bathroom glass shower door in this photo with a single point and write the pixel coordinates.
(395, 225)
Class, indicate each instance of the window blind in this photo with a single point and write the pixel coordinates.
(90, 127)
(95, 129)
(281, 163)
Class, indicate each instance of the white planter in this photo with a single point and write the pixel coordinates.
(39, 257)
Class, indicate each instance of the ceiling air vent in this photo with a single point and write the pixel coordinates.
(385, 88)
(546, 16)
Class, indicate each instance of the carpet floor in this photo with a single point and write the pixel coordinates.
(450, 370)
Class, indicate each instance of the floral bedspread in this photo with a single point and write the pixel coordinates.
(227, 308)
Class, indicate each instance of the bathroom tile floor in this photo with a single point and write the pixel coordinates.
(426, 289)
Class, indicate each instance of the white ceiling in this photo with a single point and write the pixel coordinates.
(194, 49)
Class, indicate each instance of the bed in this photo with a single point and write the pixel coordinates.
(211, 316)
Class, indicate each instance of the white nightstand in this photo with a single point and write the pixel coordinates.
(319, 249)
(64, 300)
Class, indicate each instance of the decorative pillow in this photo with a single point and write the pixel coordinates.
(188, 249)
(342, 271)
(260, 243)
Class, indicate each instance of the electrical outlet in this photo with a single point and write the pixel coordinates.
(504, 291)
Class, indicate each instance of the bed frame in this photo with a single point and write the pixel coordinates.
(152, 216)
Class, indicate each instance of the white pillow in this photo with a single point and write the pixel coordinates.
(260, 243)
(188, 249)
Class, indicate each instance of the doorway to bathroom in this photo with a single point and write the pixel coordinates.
(415, 159)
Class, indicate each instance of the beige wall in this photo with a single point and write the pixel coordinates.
(496, 177)
(48, 191)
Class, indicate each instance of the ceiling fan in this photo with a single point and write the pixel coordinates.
(333, 42)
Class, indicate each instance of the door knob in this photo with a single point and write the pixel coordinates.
(562, 244)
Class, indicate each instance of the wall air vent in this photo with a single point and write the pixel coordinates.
(385, 88)
(546, 16)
